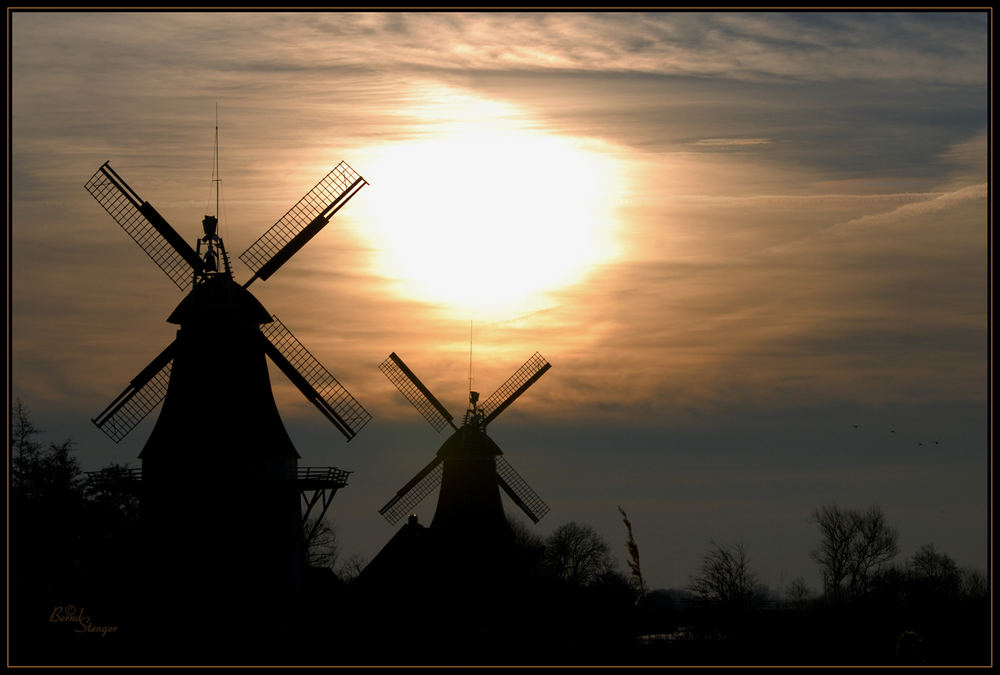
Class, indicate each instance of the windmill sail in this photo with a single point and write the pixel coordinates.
(515, 385)
(315, 382)
(414, 492)
(519, 491)
(302, 222)
(413, 389)
(145, 225)
(138, 399)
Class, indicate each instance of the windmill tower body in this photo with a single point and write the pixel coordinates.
(469, 505)
(220, 486)
(219, 435)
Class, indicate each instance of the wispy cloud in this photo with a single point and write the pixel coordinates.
(729, 142)
(740, 45)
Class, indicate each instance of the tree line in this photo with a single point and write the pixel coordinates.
(855, 555)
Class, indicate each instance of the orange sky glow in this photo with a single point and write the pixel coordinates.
(731, 250)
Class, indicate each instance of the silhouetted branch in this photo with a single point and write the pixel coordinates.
(320, 543)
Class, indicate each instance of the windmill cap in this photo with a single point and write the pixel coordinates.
(469, 443)
(219, 298)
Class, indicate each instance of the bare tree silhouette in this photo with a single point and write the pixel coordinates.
(38, 474)
(935, 573)
(320, 540)
(725, 578)
(854, 544)
(352, 567)
(577, 554)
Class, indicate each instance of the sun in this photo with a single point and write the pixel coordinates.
(484, 212)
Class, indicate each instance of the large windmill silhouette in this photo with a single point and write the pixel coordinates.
(223, 499)
(469, 466)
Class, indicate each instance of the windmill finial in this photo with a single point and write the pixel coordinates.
(210, 224)
(217, 179)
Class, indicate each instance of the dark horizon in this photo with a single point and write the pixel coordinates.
(500, 594)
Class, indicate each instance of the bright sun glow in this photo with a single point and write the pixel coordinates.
(486, 214)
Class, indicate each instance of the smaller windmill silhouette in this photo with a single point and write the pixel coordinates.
(466, 571)
(469, 466)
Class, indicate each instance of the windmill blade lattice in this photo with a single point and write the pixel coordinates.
(138, 399)
(309, 215)
(410, 386)
(414, 492)
(313, 380)
(515, 385)
(145, 225)
(519, 491)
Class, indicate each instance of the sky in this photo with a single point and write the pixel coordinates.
(754, 246)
